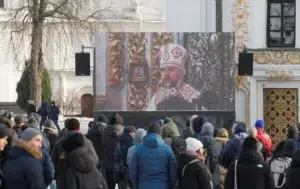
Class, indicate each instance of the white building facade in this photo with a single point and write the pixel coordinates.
(271, 31)
(59, 55)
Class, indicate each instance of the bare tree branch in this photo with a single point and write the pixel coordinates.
(56, 9)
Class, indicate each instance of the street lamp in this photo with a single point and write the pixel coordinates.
(94, 77)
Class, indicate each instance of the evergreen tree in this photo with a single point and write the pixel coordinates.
(23, 87)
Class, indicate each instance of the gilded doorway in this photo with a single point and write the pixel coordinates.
(280, 111)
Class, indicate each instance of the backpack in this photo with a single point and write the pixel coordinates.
(210, 160)
(178, 146)
(279, 166)
(120, 165)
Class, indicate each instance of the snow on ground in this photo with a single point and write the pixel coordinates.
(84, 121)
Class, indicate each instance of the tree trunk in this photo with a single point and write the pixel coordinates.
(36, 59)
(219, 16)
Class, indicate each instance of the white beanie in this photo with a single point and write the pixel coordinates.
(193, 144)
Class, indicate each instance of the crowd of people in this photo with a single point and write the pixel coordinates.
(36, 155)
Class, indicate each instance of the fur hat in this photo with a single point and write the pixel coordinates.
(260, 124)
(29, 133)
(34, 120)
(116, 119)
(5, 113)
(72, 142)
(193, 145)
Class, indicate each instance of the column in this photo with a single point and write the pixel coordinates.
(253, 109)
(149, 59)
(210, 16)
(124, 90)
(100, 65)
(297, 25)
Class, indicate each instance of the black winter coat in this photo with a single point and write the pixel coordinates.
(95, 136)
(252, 172)
(52, 138)
(109, 140)
(80, 172)
(196, 175)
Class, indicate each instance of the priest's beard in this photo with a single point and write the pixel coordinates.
(169, 85)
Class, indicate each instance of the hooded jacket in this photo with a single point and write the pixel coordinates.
(213, 148)
(292, 133)
(81, 171)
(109, 141)
(95, 135)
(252, 172)
(169, 131)
(137, 139)
(125, 142)
(43, 112)
(233, 146)
(194, 175)
(23, 168)
(153, 165)
(58, 151)
(293, 172)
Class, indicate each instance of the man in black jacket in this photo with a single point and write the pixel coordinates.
(109, 140)
(292, 133)
(95, 135)
(250, 171)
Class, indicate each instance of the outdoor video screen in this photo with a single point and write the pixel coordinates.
(164, 71)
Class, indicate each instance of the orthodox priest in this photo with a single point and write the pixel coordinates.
(173, 93)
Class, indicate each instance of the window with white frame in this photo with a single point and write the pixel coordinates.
(281, 23)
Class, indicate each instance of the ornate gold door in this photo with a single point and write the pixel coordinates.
(280, 111)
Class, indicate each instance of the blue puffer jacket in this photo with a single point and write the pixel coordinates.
(153, 166)
(232, 149)
(23, 168)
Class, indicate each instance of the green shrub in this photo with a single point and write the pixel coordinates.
(23, 87)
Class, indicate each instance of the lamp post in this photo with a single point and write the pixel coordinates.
(94, 73)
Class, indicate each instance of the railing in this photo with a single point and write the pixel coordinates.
(140, 119)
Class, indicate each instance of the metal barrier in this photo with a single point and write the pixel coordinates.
(140, 119)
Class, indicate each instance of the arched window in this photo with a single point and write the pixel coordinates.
(281, 23)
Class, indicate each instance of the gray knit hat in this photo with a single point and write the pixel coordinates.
(29, 133)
